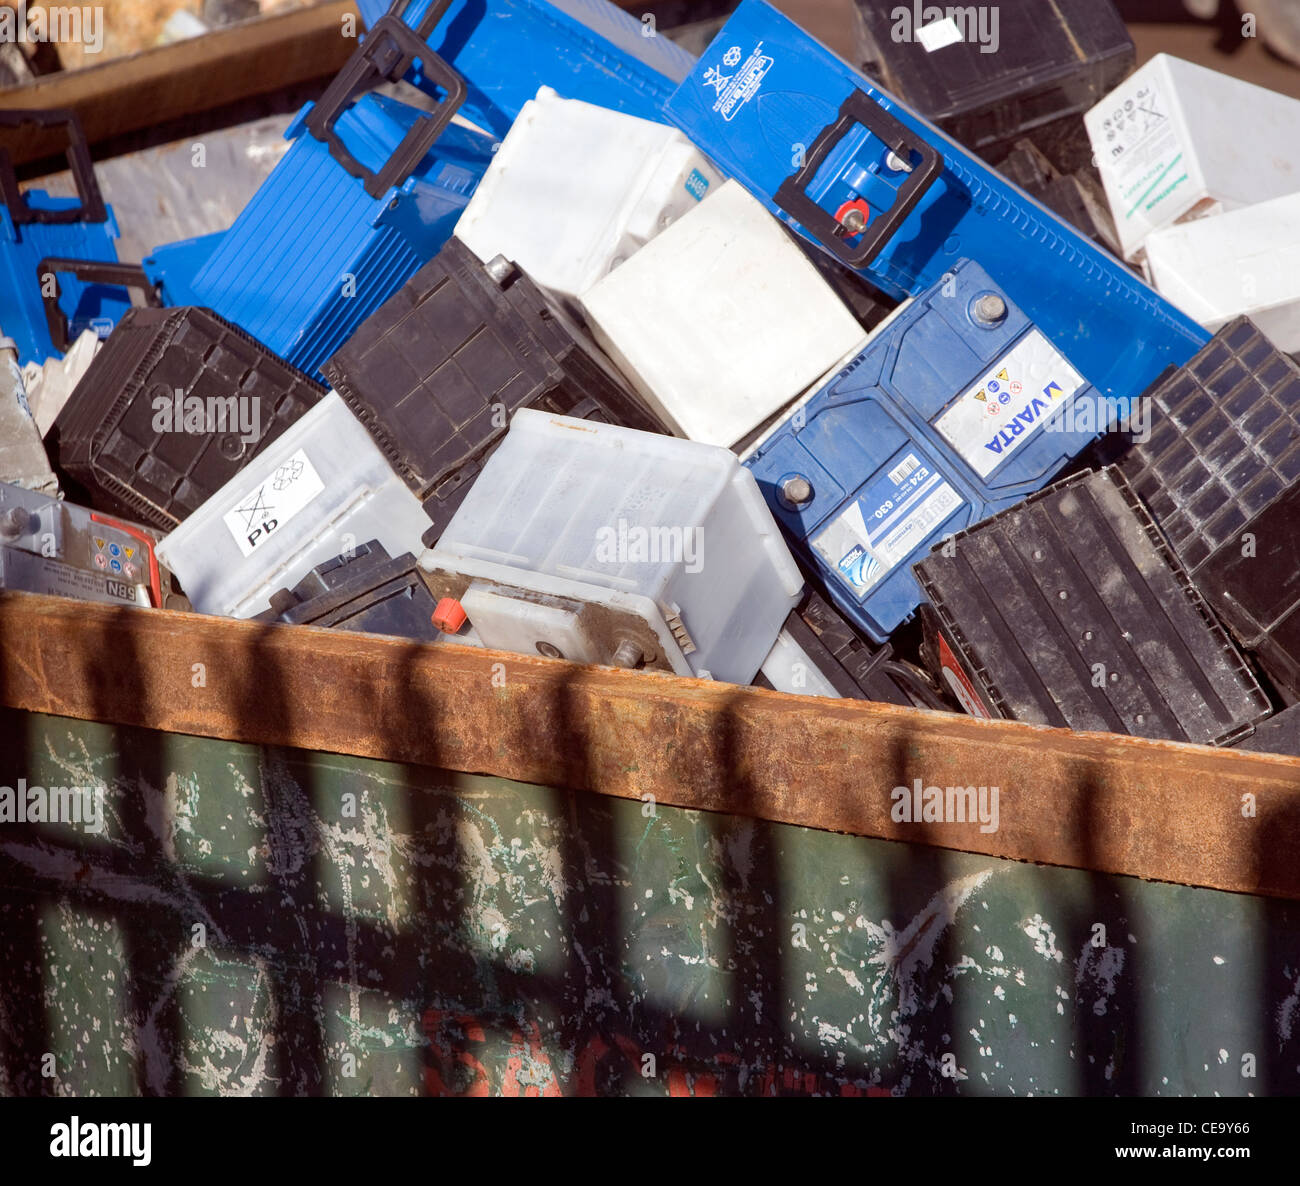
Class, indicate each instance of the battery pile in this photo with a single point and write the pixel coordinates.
(961, 384)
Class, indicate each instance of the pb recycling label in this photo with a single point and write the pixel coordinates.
(272, 503)
(993, 418)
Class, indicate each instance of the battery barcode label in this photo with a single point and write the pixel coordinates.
(903, 468)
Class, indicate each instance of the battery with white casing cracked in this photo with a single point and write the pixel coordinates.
(436, 373)
(1071, 610)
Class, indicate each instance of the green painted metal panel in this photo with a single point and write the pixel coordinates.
(262, 922)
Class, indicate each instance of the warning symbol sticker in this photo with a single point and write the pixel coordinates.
(986, 432)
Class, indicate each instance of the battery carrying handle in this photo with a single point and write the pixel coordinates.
(792, 195)
(93, 271)
(385, 55)
(92, 208)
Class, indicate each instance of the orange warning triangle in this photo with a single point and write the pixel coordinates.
(99, 543)
(129, 552)
(982, 396)
(1004, 376)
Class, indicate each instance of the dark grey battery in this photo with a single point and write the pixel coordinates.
(366, 590)
(1220, 473)
(1280, 734)
(1077, 197)
(989, 74)
(1254, 584)
(436, 372)
(856, 668)
(175, 403)
(1224, 441)
(1070, 610)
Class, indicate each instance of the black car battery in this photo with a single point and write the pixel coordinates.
(175, 403)
(1071, 610)
(990, 74)
(437, 371)
(1220, 472)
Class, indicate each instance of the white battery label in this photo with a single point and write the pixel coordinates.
(1142, 152)
(939, 34)
(268, 506)
(875, 533)
(1009, 405)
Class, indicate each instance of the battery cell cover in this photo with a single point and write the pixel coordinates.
(173, 406)
(1070, 610)
(365, 590)
(437, 371)
(958, 407)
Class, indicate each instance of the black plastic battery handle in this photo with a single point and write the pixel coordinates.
(92, 271)
(386, 54)
(92, 208)
(792, 195)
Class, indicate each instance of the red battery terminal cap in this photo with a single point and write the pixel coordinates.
(450, 615)
(854, 216)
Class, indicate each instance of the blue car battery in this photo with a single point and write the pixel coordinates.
(36, 230)
(873, 184)
(171, 267)
(505, 49)
(370, 190)
(958, 407)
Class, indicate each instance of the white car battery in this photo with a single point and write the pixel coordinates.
(607, 545)
(318, 491)
(720, 321)
(1177, 141)
(576, 189)
(1246, 262)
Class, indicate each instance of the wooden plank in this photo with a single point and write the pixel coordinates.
(189, 77)
(1157, 810)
